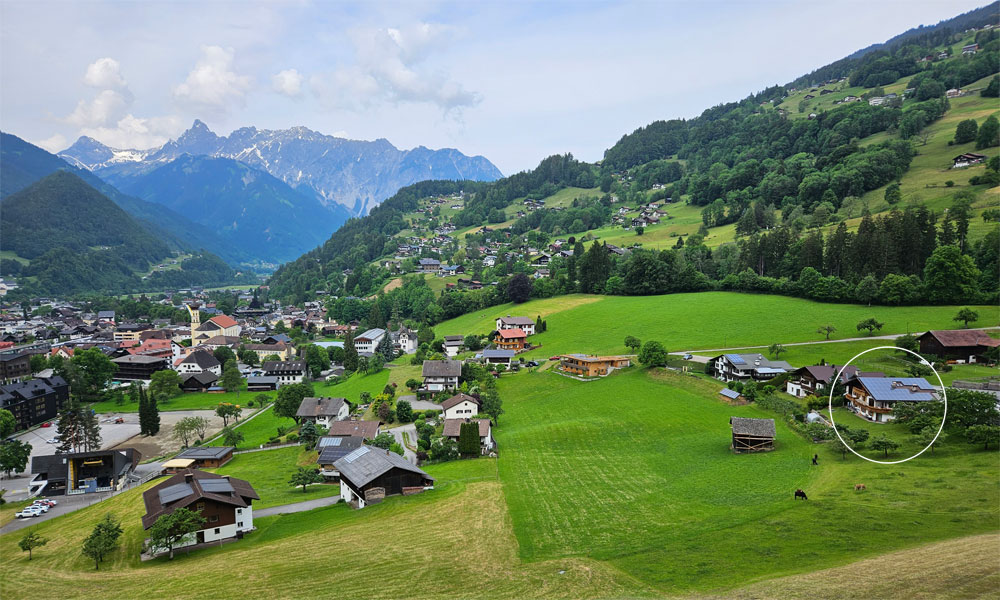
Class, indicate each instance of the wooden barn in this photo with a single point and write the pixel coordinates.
(369, 474)
(752, 435)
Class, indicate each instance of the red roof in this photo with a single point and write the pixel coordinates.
(963, 337)
(512, 334)
(224, 321)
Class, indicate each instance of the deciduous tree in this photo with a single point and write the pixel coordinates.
(31, 540)
(171, 529)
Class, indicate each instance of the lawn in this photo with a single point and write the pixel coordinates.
(647, 483)
(351, 389)
(185, 401)
(258, 430)
(269, 472)
(599, 324)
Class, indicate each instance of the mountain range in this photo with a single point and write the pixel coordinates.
(354, 174)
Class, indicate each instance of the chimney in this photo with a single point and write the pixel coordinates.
(226, 477)
(188, 477)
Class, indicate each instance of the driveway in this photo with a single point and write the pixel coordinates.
(296, 507)
(420, 404)
(411, 432)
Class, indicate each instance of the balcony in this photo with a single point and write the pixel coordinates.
(858, 402)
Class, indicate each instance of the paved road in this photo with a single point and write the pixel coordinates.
(296, 507)
(411, 431)
(704, 359)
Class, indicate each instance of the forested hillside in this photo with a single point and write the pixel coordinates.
(839, 191)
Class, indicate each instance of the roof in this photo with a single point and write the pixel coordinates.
(458, 399)
(202, 358)
(178, 463)
(909, 389)
(956, 338)
(366, 464)
(224, 321)
(334, 447)
(292, 366)
(206, 452)
(141, 359)
(756, 361)
(516, 321)
(754, 427)
(203, 378)
(728, 393)
(453, 427)
(512, 334)
(442, 368)
(495, 353)
(364, 429)
(371, 334)
(191, 485)
(320, 407)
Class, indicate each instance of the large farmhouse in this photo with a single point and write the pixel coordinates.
(592, 366)
(740, 367)
(323, 411)
(809, 381)
(966, 345)
(460, 406)
(523, 323)
(369, 474)
(873, 398)
(287, 372)
(225, 502)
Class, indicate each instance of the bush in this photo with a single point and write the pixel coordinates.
(292, 437)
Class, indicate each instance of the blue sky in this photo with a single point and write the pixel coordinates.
(512, 81)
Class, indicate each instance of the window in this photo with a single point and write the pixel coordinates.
(201, 506)
(213, 519)
(240, 524)
(216, 530)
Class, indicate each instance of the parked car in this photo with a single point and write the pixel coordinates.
(27, 513)
(47, 424)
(688, 357)
(44, 502)
(554, 358)
(50, 501)
(52, 441)
(120, 420)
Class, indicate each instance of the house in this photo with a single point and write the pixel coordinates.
(34, 401)
(280, 349)
(808, 97)
(323, 411)
(873, 398)
(953, 93)
(510, 339)
(429, 265)
(540, 273)
(825, 92)
(460, 406)
(366, 430)
(368, 474)
(440, 375)
(967, 159)
(453, 345)
(226, 504)
(809, 381)
(523, 323)
(198, 361)
(217, 325)
(453, 429)
(592, 366)
(404, 340)
(106, 317)
(133, 367)
(331, 449)
(489, 261)
(262, 383)
(752, 435)
(292, 371)
(199, 382)
(970, 49)
(128, 332)
(967, 345)
(83, 472)
(369, 340)
(730, 367)
(208, 457)
(498, 357)
(876, 101)
(14, 366)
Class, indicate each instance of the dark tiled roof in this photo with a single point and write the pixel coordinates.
(754, 427)
(453, 427)
(205, 360)
(458, 399)
(320, 407)
(206, 452)
(364, 429)
(442, 368)
(367, 463)
(963, 337)
(156, 507)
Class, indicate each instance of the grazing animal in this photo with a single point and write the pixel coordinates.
(859, 487)
(800, 494)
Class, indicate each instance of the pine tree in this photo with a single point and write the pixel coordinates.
(350, 353)
(375, 318)
(90, 430)
(154, 417)
(68, 430)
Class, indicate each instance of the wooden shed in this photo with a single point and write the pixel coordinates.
(752, 435)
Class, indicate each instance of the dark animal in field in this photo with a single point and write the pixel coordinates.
(800, 494)
(859, 487)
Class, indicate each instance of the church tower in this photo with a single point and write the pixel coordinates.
(195, 321)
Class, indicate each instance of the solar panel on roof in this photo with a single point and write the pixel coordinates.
(175, 492)
(736, 359)
(329, 441)
(216, 485)
(356, 454)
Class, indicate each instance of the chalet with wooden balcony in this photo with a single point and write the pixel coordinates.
(592, 366)
(873, 398)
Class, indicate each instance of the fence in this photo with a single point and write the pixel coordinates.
(264, 447)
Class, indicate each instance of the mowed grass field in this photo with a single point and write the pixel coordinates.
(708, 320)
(635, 470)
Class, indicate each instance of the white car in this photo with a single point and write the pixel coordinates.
(40, 507)
(52, 441)
(28, 512)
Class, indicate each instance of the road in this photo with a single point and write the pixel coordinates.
(411, 431)
(705, 359)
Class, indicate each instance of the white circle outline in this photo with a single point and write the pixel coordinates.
(944, 394)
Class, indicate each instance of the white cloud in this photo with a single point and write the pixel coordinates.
(53, 144)
(213, 85)
(391, 67)
(287, 82)
(105, 74)
(136, 132)
(107, 107)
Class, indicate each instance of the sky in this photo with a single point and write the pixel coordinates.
(513, 81)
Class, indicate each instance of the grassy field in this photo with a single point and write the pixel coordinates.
(185, 401)
(258, 430)
(599, 324)
(269, 472)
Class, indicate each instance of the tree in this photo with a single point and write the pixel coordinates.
(224, 354)
(492, 404)
(983, 434)
(14, 456)
(385, 349)
(468, 439)
(653, 354)
(397, 448)
(640, 230)
(907, 342)
(871, 325)
(966, 131)
(412, 384)
(827, 330)
(149, 414)
(385, 412)
(867, 290)
(967, 408)
(164, 385)
(925, 437)
(318, 360)
(473, 342)
(8, 424)
(290, 398)
(92, 371)
(227, 411)
(30, 541)
(350, 353)
(307, 434)
(382, 440)
(989, 134)
(231, 380)
(632, 343)
(103, 540)
(892, 193)
(404, 411)
(442, 449)
(881, 442)
(950, 277)
(775, 350)
(90, 430)
(232, 437)
(38, 362)
(966, 315)
(188, 427)
(169, 530)
(262, 400)
(519, 288)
